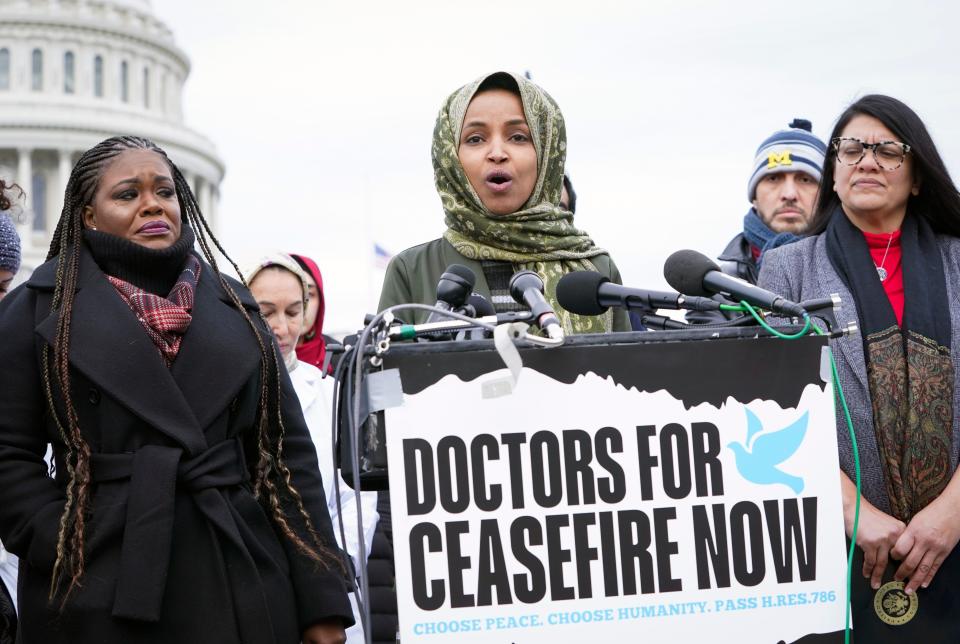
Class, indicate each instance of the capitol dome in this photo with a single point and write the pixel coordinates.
(74, 72)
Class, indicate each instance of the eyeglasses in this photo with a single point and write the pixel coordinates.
(888, 154)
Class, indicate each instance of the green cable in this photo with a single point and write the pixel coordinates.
(756, 316)
(853, 440)
(731, 307)
(856, 470)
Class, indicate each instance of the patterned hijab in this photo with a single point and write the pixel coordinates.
(539, 237)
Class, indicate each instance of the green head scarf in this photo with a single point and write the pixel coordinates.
(541, 236)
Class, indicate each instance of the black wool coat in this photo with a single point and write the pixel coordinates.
(177, 547)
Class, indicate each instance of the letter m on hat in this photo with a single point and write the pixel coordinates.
(776, 159)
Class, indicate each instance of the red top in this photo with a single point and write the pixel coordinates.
(893, 285)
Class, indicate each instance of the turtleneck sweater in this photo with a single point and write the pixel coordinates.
(153, 270)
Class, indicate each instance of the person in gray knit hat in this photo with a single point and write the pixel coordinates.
(782, 191)
(9, 242)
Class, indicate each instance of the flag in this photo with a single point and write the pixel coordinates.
(381, 256)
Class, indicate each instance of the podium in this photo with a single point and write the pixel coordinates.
(672, 487)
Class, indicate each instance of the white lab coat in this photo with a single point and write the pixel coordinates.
(9, 565)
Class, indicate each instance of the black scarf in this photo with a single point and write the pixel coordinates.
(911, 380)
(909, 369)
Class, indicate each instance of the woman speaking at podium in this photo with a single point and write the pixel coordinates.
(498, 153)
(885, 237)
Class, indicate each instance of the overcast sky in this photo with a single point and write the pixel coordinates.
(323, 111)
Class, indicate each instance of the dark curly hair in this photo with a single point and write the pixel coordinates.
(5, 189)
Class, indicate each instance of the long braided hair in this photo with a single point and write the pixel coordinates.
(271, 477)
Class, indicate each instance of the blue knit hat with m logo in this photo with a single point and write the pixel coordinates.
(795, 149)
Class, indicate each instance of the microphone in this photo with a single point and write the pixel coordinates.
(590, 293)
(477, 306)
(691, 272)
(526, 288)
(662, 323)
(453, 289)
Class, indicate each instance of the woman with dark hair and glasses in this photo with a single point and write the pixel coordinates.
(886, 237)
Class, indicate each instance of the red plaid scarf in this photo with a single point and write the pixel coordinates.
(165, 319)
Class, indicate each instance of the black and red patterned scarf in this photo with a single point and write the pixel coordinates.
(909, 368)
(165, 319)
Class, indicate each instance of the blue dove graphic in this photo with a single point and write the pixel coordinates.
(766, 451)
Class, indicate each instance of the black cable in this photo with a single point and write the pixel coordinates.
(743, 320)
(353, 383)
(362, 604)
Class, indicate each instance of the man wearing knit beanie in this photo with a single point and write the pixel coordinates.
(9, 253)
(783, 191)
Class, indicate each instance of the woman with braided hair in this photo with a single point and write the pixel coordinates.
(187, 505)
(499, 148)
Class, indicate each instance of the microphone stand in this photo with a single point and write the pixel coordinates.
(411, 331)
(458, 322)
(825, 309)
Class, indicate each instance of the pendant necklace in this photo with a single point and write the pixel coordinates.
(881, 271)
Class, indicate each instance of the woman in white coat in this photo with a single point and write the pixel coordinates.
(281, 289)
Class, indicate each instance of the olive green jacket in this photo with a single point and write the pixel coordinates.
(413, 274)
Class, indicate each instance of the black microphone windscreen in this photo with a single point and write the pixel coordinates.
(685, 269)
(463, 272)
(455, 285)
(577, 292)
(481, 305)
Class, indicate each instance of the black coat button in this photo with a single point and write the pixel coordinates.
(94, 396)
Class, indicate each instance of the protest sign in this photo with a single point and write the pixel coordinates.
(669, 490)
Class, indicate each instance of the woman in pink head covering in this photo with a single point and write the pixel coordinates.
(312, 348)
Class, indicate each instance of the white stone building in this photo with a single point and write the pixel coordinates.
(74, 72)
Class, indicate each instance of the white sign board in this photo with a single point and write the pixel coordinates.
(589, 511)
